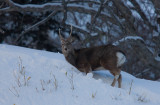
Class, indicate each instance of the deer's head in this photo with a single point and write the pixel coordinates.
(66, 44)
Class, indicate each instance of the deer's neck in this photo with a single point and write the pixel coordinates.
(71, 58)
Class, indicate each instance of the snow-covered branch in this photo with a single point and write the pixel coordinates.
(53, 6)
(30, 7)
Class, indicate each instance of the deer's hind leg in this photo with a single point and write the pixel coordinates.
(114, 80)
(119, 81)
(113, 70)
(117, 76)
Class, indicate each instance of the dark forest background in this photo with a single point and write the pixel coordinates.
(133, 25)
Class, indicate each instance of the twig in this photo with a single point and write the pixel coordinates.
(16, 94)
(94, 94)
(17, 79)
(55, 82)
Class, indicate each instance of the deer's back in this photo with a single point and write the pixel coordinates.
(95, 56)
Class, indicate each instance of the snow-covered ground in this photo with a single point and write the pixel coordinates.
(33, 77)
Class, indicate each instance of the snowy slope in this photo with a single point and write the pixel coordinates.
(33, 77)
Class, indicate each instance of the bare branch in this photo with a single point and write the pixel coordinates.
(71, 31)
(37, 24)
(138, 9)
(77, 29)
(127, 15)
(116, 20)
(99, 10)
(91, 11)
(64, 11)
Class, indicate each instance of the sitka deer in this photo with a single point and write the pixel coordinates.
(107, 57)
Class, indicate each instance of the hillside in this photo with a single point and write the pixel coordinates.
(33, 77)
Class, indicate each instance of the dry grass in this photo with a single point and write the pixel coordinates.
(21, 79)
(94, 95)
(130, 87)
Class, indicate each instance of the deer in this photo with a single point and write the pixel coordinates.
(105, 57)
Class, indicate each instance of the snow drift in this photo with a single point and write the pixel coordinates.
(33, 77)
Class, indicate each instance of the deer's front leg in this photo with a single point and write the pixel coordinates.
(88, 68)
(85, 67)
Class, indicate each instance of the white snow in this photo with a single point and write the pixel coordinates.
(136, 14)
(33, 77)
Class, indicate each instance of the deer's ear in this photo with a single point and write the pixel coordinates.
(62, 40)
